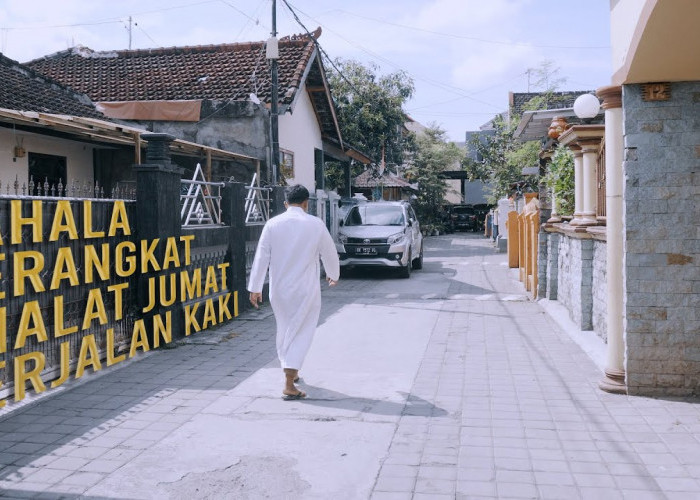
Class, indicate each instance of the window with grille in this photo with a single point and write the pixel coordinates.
(600, 179)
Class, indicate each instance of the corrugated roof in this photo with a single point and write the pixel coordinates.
(556, 99)
(23, 89)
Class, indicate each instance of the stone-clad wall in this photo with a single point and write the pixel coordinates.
(552, 276)
(599, 289)
(575, 279)
(662, 241)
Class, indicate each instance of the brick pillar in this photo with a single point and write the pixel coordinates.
(158, 216)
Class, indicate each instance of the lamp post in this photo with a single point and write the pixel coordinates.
(586, 107)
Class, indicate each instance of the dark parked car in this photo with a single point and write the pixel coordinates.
(481, 211)
(464, 217)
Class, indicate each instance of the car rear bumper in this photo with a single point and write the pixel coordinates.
(371, 262)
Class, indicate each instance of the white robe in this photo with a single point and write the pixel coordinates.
(290, 246)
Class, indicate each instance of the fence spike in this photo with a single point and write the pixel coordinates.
(60, 187)
(97, 190)
(46, 186)
(24, 188)
(16, 184)
(53, 190)
(31, 185)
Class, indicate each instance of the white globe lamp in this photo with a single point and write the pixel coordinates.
(586, 107)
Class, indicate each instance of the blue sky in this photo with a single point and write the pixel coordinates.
(463, 55)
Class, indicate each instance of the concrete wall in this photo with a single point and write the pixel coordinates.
(79, 159)
(599, 290)
(300, 133)
(240, 127)
(662, 241)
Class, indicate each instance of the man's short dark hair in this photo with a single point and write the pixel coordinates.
(297, 194)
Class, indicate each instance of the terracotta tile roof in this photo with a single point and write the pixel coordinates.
(215, 72)
(23, 89)
(366, 180)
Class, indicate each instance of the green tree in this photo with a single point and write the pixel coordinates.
(503, 156)
(433, 155)
(369, 108)
(560, 179)
(503, 159)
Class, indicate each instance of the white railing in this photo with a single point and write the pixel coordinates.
(201, 201)
(257, 204)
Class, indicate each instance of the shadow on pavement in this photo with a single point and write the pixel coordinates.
(412, 405)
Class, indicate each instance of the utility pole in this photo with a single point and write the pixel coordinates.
(129, 32)
(273, 55)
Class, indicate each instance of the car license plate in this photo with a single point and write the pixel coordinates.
(366, 251)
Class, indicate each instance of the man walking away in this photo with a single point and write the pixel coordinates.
(290, 246)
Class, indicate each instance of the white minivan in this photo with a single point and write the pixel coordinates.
(381, 233)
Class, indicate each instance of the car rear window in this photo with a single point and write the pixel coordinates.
(375, 215)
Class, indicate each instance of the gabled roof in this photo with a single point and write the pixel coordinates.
(215, 72)
(23, 89)
(367, 180)
(227, 72)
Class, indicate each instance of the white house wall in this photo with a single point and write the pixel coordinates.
(624, 16)
(300, 133)
(454, 191)
(79, 159)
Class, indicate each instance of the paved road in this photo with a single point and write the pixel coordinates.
(451, 384)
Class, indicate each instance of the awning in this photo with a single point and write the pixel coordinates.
(93, 130)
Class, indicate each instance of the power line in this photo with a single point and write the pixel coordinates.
(318, 45)
(109, 20)
(476, 39)
(147, 35)
(449, 88)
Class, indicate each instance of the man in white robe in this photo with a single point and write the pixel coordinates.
(290, 246)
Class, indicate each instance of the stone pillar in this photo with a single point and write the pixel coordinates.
(158, 217)
(614, 380)
(590, 160)
(578, 184)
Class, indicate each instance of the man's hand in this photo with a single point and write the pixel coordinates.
(331, 282)
(255, 299)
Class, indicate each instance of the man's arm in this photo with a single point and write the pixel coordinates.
(329, 257)
(261, 263)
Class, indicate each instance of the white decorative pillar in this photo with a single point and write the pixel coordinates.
(614, 380)
(584, 141)
(578, 184)
(590, 161)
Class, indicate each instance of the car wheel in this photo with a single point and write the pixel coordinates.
(406, 271)
(418, 263)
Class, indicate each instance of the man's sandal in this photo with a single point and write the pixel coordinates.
(294, 397)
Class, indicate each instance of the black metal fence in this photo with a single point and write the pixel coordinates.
(69, 284)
